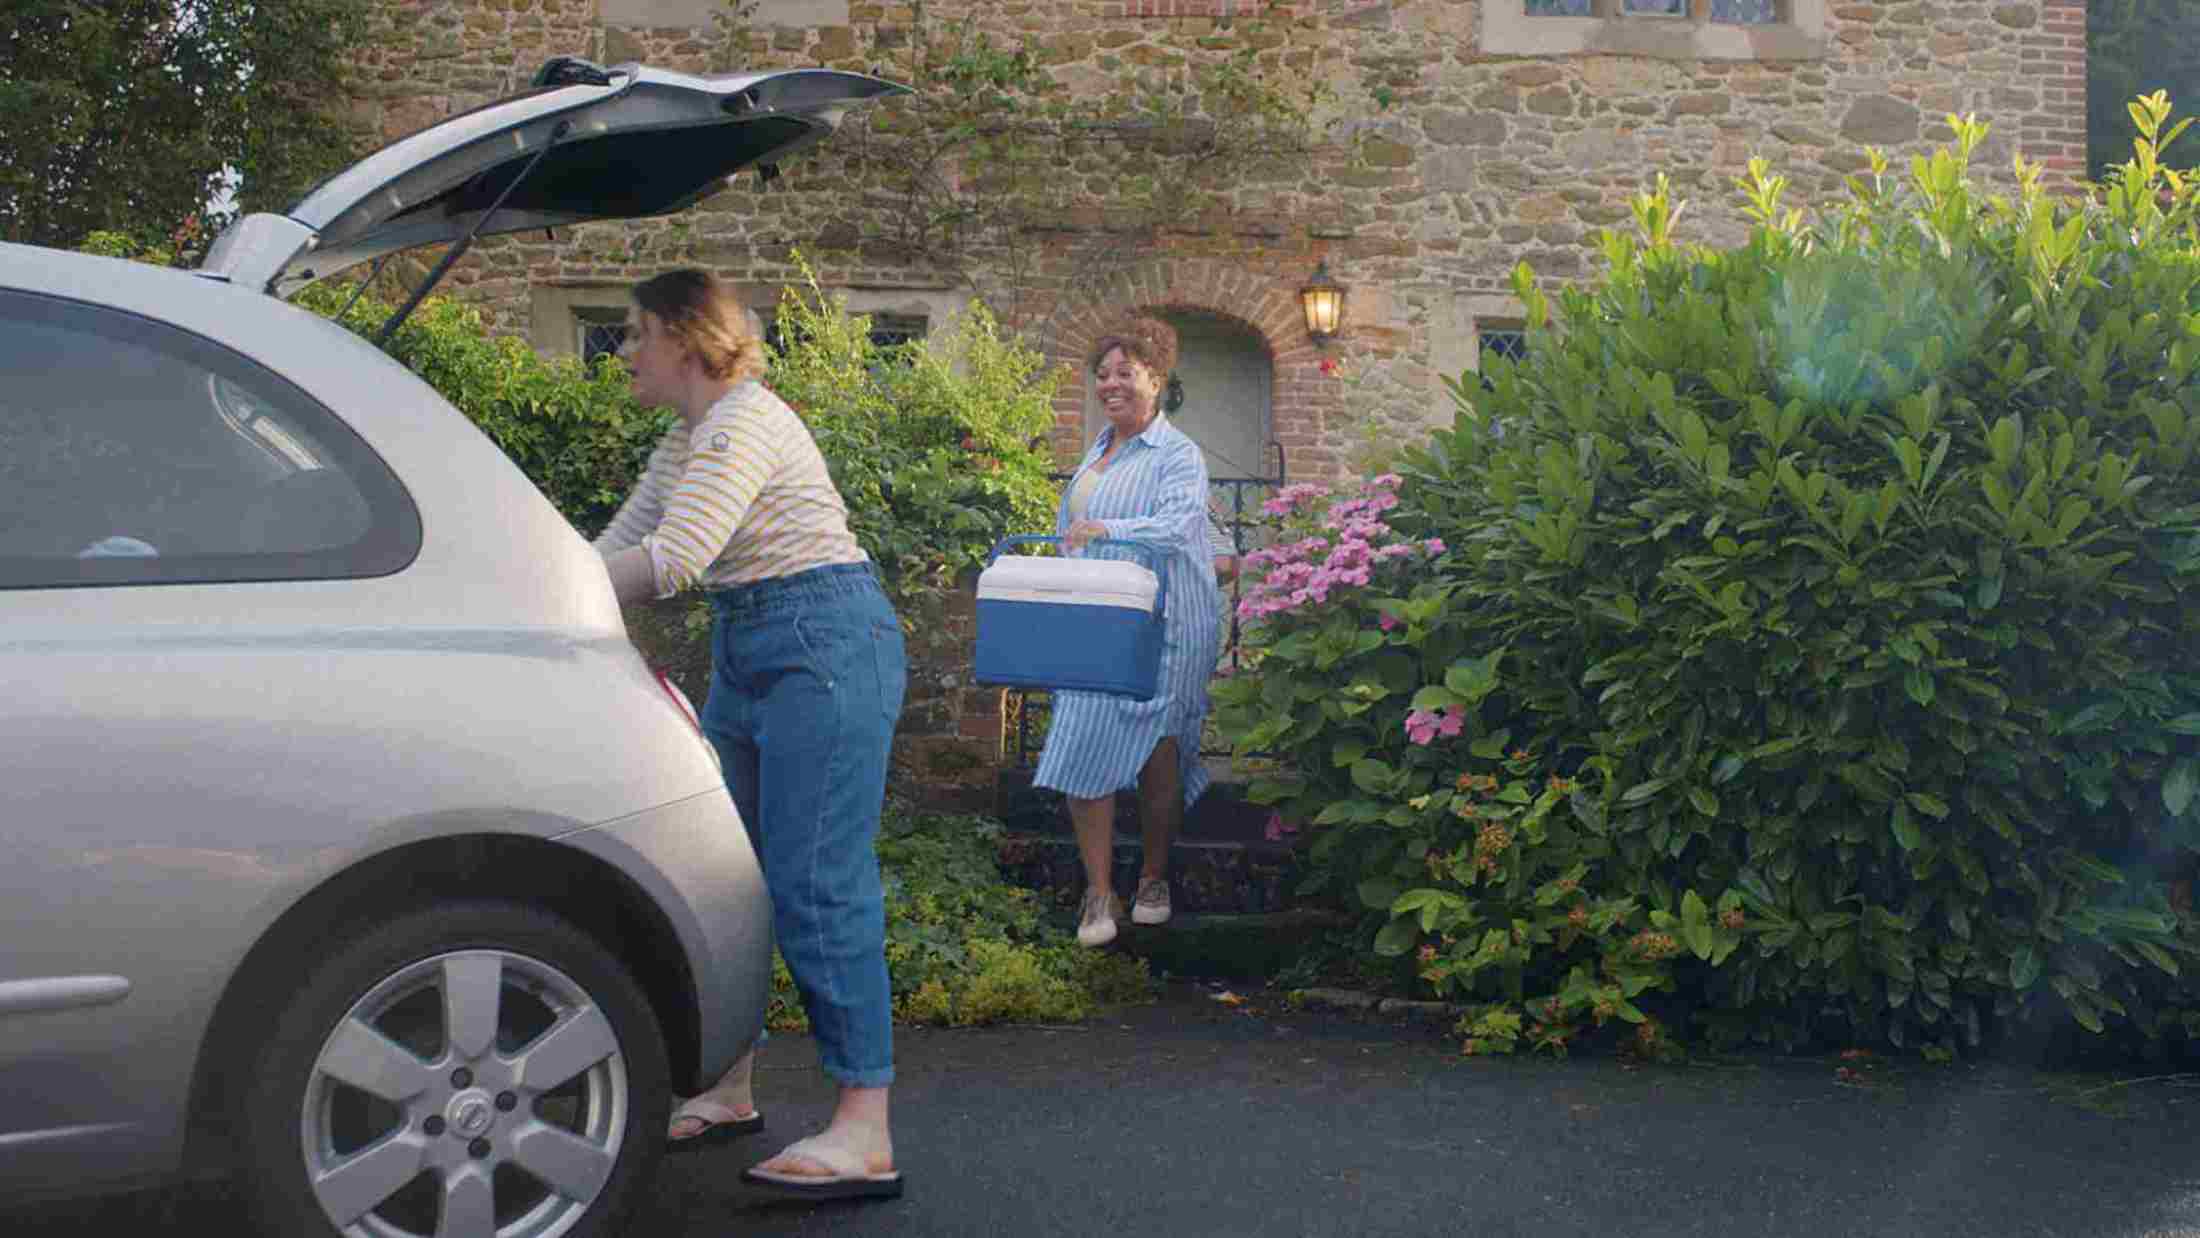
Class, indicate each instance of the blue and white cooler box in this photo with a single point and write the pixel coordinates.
(1092, 624)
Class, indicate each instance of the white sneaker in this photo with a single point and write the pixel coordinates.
(1152, 904)
(1096, 920)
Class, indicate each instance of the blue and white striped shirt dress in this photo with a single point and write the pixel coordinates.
(1155, 491)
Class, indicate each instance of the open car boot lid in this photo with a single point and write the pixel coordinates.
(582, 143)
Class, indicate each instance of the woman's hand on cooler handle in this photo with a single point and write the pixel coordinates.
(1083, 531)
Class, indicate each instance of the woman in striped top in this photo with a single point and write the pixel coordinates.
(1143, 480)
(807, 674)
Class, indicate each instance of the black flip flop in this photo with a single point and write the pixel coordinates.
(714, 1132)
(795, 1186)
(847, 1182)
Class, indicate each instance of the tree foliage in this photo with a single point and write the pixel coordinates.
(122, 114)
(938, 446)
(2133, 48)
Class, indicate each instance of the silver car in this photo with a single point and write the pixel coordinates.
(348, 842)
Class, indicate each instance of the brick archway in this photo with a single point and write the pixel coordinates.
(1303, 403)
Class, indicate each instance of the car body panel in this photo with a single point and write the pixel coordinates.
(181, 764)
(190, 771)
(693, 859)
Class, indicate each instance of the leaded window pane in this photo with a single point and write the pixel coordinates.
(1745, 12)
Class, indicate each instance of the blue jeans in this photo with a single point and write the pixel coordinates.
(806, 683)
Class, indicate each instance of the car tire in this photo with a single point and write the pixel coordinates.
(483, 1060)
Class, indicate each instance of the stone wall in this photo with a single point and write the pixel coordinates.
(1442, 165)
(952, 730)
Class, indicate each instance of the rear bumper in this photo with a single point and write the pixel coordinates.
(692, 858)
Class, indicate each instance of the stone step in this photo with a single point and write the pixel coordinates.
(1205, 877)
(1243, 948)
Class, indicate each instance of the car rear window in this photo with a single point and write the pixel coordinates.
(134, 453)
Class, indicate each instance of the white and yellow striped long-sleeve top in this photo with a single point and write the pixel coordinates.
(743, 497)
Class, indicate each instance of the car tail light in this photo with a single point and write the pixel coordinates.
(680, 699)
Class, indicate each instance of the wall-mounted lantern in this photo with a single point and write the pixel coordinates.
(1323, 300)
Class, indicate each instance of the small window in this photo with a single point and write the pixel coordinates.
(894, 330)
(1509, 342)
(601, 331)
(133, 453)
(892, 333)
(1726, 12)
(888, 331)
(1745, 12)
(1668, 29)
(768, 320)
(1495, 340)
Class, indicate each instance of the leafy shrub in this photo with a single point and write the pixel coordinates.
(1454, 847)
(1851, 573)
(939, 446)
(963, 946)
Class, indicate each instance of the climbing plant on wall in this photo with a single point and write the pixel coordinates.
(994, 158)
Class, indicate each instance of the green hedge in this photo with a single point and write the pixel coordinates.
(1814, 637)
(940, 446)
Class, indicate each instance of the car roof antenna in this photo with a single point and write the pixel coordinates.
(466, 242)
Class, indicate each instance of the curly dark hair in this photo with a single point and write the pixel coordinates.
(1144, 339)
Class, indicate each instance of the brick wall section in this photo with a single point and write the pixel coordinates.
(2055, 58)
(1306, 404)
(950, 726)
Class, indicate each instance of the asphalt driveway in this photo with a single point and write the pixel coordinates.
(1196, 1117)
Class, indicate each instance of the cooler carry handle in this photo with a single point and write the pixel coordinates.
(1146, 550)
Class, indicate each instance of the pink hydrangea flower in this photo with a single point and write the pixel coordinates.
(1388, 621)
(1288, 499)
(1422, 726)
(1435, 545)
(1426, 726)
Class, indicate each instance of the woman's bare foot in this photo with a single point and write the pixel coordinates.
(858, 1137)
(835, 1152)
(729, 1101)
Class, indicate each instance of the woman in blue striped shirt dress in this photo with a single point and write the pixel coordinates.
(1143, 480)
